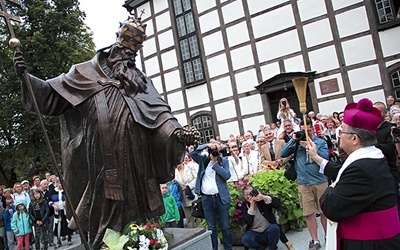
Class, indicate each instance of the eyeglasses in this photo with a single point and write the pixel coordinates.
(348, 133)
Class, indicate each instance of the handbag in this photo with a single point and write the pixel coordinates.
(197, 208)
(290, 172)
(189, 193)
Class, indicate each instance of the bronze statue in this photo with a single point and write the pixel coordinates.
(119, 139)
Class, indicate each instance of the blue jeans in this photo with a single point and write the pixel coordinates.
(269, 237)
(213, 209)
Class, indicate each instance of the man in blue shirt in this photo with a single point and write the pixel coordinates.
(311, 183)
(211, 184)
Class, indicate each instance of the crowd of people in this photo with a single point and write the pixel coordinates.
(208, 168)
(33, 213)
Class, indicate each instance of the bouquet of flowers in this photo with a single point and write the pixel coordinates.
(137, 237)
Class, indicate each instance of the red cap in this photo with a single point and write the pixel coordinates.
(362, 115)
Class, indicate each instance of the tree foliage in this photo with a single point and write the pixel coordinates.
(53, 37)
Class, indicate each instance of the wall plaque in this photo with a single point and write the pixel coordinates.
(329, 86)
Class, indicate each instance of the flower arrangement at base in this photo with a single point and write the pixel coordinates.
(137, 237)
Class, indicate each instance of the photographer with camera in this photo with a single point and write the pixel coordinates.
(211, 184)
(311, 183)
(386, 143)
(262, 229)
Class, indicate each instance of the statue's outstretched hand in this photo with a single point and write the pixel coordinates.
(189, 135)
(19, 63)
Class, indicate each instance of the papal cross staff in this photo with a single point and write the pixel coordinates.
(15, 44)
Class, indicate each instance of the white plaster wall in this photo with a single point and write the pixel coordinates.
(232, 11)
(213, 43)
(374, 96)
(366, 77)
(328, 107)
(273, 21)
(269, 70)
(278, 46)
(358, 50)
(166, 39)
(221, 88)
(390, 63)
(149, 47)
(152, 66)
(169, 59)
(237, 34)
(317, 32)
(294, 64)
(147, 10)
(209, 21)
(217, 65)
(329, 77)
(163, 21)
(175, 100)
(197, 95)
(157, 84)
(250, 104)
(198, 110)
(204, 5)
(225, 110)
(253, 123)
(159, 6)
(323, 59)
(172, 80)
(139, 63)
(311, 8)
(242, 57)
(357, 18)
(181, 118)
(339, 4)
(226, 129)
(245, 81)
(149, 28)
(389, 40)
(260, 5)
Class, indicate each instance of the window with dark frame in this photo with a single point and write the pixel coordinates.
(388, 13)
(203, 123)
(395, 78)
(188, 42)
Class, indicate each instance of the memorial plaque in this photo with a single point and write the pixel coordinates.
(329, 86)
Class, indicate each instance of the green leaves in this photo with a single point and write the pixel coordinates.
(274, 182)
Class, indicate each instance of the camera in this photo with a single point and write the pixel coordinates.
(396, 131)
(300, 135)
(284, 103)
(225, 151)
(254, 192)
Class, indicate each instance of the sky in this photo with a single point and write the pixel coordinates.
(103, 18)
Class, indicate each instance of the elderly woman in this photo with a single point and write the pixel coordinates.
(185, 175)
(249, 160)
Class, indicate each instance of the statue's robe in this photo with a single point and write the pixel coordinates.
(116, 149)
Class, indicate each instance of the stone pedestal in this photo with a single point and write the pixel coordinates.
(189, 238)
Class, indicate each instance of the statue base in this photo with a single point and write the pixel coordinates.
(183, 239)
(189, 238)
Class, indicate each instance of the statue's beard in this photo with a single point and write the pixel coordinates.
(131, 79)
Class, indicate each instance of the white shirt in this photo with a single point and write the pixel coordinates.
(209, 184)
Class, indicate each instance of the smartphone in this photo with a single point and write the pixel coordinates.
(284, 103)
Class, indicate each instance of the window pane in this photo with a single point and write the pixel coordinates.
(188, 72)
(185, 49)
(194, 47)
(198, 70)
(189, 23)
(177, 7)
(197, 123)
(206, 121)
(397, 93)
(396, 79)
(186, 5)
(384, 9)
(181, 26)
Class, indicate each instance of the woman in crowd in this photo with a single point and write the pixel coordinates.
(285, 112)
(249, 161)
(19, 195)
(186, 174)
(58, 203)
